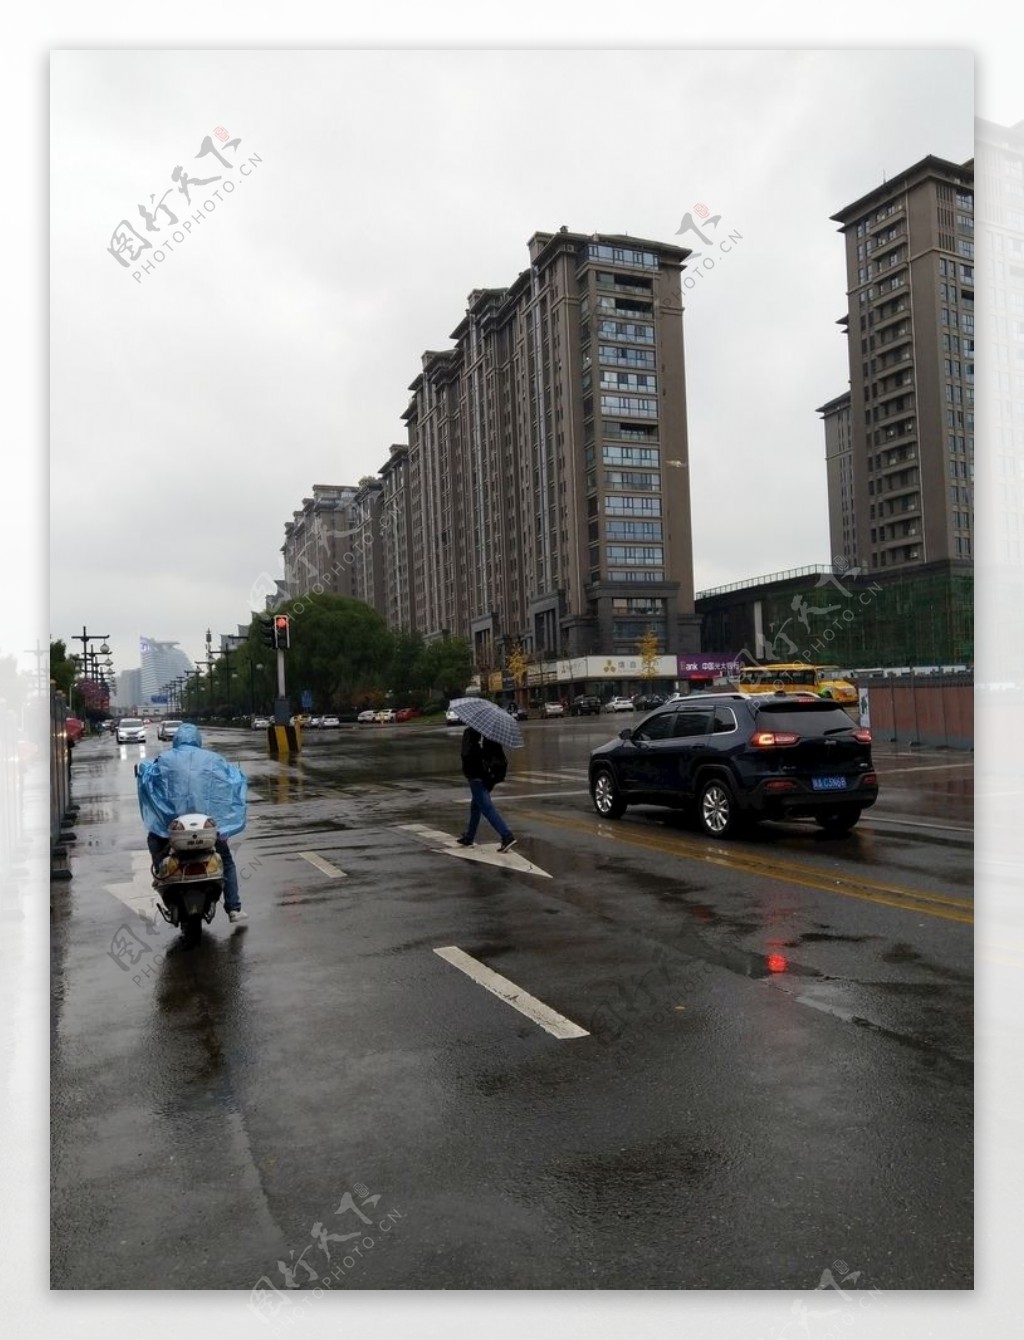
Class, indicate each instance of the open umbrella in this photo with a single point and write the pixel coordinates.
(490, 720)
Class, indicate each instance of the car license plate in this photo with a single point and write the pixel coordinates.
(828, 783)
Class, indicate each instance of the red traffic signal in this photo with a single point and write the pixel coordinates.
(282, 632)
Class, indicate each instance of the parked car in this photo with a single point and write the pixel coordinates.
(131, 730)
(647, 702)
(385, 716)
(167, 728)
(261, 723)
(366, 717)
(452, 718)
(585, 705)
(552, 710)
(330, 723)
(314, 723)
(620, 705)
(733, 757)
(407, 713)
(517, 713)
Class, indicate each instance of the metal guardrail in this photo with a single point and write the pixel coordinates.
(60, 784)
(813, 570)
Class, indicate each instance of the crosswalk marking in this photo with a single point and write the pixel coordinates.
(482, 853)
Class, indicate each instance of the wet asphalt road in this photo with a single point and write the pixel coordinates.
(775, 1075)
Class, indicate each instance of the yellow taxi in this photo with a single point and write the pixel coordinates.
(795, 677)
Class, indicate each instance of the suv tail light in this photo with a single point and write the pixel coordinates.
(768, 739)
(862, 735)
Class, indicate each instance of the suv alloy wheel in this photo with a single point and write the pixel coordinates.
(605, 795)
(717, 813)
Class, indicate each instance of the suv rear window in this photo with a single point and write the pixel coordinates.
(807, 718)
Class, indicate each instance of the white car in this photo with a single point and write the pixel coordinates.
(261, 723)
(452, 718)
(367, 717)
(131, 730)
(167, 729)
(621, 705)
(385, 716)
(552, 710)
(329, 723)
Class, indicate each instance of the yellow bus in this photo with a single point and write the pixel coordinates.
(794, 677)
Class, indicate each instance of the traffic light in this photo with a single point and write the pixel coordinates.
(282, 632)
(268, 633)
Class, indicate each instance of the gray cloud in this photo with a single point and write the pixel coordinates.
(272, 350)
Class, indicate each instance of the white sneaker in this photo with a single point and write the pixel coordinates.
(240, 915)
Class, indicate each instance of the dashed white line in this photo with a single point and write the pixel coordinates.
(550, 1020)
(321, 864)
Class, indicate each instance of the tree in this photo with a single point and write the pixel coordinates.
(340, 648)
(63, 667)
(407, 672)
(649, 652)
(517, 663)
(448, 665)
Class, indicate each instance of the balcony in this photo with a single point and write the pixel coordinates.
(637, 290)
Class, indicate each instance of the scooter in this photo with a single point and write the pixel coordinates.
(189, 875)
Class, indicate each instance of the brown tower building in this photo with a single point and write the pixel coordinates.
(910, 330)
(548, 489)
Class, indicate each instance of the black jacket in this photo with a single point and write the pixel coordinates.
(477, 753)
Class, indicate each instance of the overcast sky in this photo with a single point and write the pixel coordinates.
(272, 349)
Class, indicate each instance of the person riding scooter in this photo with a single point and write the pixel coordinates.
(188, 778)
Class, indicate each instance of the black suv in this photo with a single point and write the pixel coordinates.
(736, 756)
(586, 705)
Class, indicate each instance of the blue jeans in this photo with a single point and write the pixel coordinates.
(232, 902)
(482, 805)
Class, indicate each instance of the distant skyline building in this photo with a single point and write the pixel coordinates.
(127, 690)
(909, 459)
(162, 662)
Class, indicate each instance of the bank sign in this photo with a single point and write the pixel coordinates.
(707, 663)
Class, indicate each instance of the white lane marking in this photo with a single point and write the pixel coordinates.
(550, 1020)
(542, 795)
(485, 855)
(138, 896)
(929, 767)
(534, 776)
(421, 830)
(321, 864)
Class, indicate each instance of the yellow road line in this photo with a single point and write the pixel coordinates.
(813, 877)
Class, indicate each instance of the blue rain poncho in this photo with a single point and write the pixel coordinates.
(187, 779)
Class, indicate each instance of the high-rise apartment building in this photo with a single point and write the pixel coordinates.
(842, 515)
(367, 548)
(316, 541)
(910, 331)
(545, 487)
